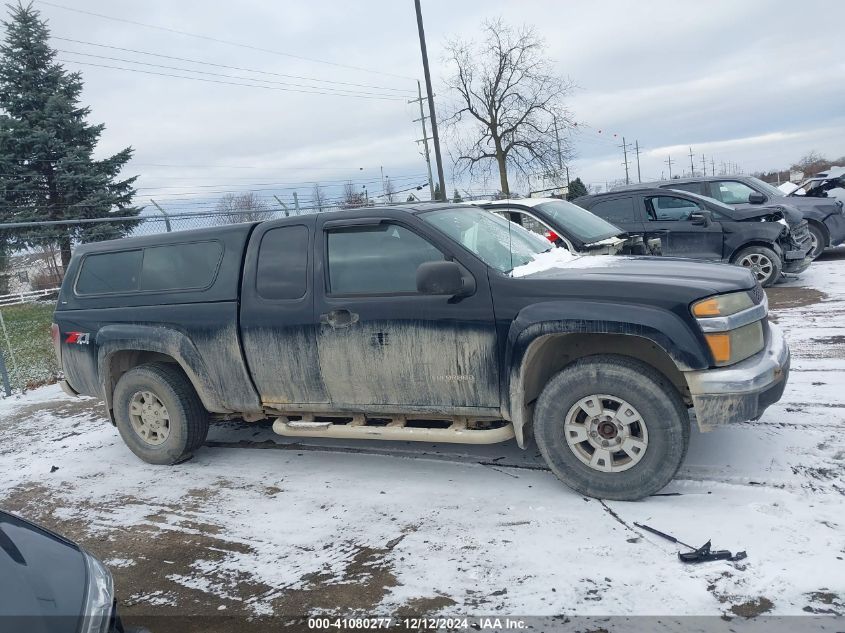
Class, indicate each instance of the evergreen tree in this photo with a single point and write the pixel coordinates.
(576, 189)
(457, 197)
(437, 195)
(47, 169)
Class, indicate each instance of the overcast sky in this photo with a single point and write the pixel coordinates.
(757, 83)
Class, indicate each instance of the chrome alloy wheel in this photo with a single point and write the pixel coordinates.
(758, 264)
(149, 417)
(606, 433)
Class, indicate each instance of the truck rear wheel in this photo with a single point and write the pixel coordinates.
(762, 261)
(612, 427)
(158, 413)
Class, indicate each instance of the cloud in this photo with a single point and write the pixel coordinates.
(741, 81)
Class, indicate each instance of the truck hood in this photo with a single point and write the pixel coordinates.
(700, 278)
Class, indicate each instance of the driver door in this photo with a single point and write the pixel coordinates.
(668, 217)
(381, 344)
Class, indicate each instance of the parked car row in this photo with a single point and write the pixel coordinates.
(737, 221)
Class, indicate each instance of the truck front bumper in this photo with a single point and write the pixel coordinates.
(742, 391)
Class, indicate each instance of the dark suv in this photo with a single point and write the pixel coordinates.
(766, 241)
(826, 217)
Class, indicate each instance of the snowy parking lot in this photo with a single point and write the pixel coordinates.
(256, 524)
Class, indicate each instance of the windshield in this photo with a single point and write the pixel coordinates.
(767, 188)
(584, 225)
(500, 243)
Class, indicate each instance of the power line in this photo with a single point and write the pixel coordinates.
(345, 92)
(230, 83)
(241, 68)
(221, 41)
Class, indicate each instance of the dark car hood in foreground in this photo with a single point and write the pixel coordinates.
(41, 574)
(697, 279)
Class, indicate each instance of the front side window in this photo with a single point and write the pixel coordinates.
(379, 259)
(669, 209)
(731, 191)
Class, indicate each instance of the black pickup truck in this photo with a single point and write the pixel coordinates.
(441, 323)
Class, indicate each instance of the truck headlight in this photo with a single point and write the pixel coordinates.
(722, 305)
(732, 325)
(99, 597)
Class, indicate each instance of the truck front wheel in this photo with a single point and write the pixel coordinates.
(158, 413)
(612, 427)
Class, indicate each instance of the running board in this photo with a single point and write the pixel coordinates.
(459, 430)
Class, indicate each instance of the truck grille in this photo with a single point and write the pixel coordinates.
(757, 293)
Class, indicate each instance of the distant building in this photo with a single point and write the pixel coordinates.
(25, 272)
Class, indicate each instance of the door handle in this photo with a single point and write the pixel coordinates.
(339, 318)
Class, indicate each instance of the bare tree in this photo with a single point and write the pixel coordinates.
(351, 198)
(318, 198)
(509, 105)
(246, 207)
(389, 191)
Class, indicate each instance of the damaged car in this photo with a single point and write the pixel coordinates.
(825, 215)
(569, 226)
(768, 241)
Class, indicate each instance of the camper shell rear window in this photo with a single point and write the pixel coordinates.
(184, 266)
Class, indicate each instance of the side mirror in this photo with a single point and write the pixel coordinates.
(701, 218)
(443, 278)
(755, 197)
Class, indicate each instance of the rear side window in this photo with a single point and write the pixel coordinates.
(615, 211)
(155, 268)
(109, 272)
(180, 266)
(283, 263)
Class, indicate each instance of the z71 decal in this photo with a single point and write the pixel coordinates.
(79, 338)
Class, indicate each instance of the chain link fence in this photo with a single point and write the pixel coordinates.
(30, 278)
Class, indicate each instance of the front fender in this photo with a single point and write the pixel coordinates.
(684, 345)
(146, 338)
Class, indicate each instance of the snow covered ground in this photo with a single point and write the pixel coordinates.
(257, 524)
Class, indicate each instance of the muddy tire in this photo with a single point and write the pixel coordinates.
(612, 427)
(819, 241)
(158, 413)
(763, 262)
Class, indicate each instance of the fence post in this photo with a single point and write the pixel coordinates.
(5, 375)
(164, 213)
(9, 345)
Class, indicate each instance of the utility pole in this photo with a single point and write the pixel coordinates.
(703, 166)
(691, 164)
(669, 162)
(625, 154)
(164, 213)
(283, 205)
(712, 166)
(424, 138)
(434, 136)
(637, 146)
(560, 155)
